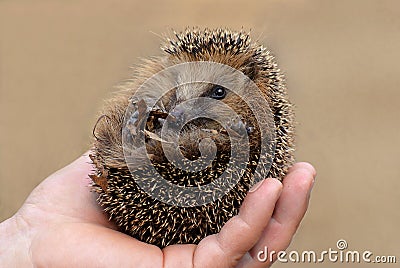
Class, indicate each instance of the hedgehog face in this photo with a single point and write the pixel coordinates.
(200, 91)
(199, 99)
(234, 50)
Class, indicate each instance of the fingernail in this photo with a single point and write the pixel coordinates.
(312, 186)
(256, 186)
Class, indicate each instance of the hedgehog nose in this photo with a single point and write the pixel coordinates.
(178, 114)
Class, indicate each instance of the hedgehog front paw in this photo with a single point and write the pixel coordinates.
(239, 127)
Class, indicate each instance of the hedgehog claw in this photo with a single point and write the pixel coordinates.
(250, 129)
(238, 126)
(161, 121)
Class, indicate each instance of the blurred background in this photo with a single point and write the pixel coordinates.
(59, 60)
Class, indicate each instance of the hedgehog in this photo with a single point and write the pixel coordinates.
(128, 185)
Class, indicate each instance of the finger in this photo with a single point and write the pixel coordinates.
(297, 188)
(74, 175)
(75, 171)
(178, 256)
(89, 245)
(241, 232)
(289, 211)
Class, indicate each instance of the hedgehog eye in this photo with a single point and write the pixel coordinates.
(218, 93)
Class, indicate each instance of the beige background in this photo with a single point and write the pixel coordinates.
(60, 59)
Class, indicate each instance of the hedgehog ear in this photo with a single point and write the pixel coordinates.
(250, 69)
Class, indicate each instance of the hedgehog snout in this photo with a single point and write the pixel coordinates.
(178, 114)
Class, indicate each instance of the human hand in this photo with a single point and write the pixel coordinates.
(61, 225)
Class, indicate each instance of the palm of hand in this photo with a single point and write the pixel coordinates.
(61, 224)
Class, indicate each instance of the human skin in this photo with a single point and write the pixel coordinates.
(61, 225)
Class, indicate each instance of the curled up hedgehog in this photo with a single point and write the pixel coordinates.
(175, 127)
